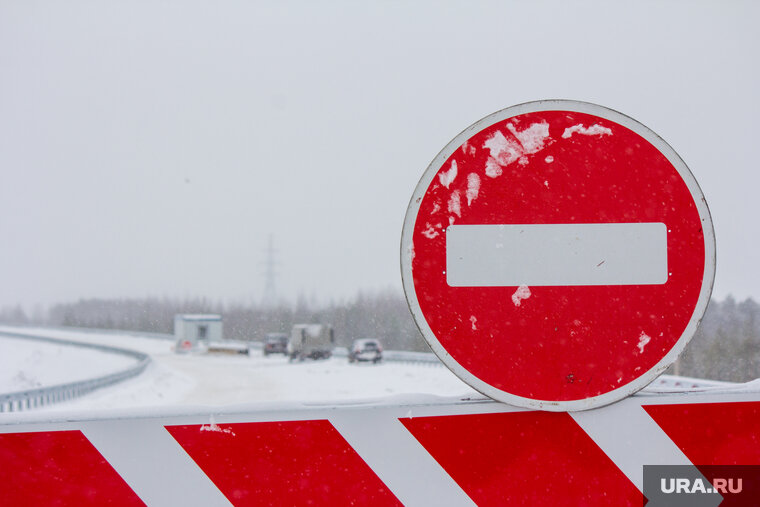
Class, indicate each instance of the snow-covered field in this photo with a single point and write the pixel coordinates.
(26, 364)
(174, 380)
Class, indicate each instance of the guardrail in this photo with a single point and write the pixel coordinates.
(675, 383)
(32, 398)
(403, 356)
(399, 356)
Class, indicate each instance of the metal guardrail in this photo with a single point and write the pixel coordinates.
(399, 356)
(675, 383)
(33, 398)
(403, 356)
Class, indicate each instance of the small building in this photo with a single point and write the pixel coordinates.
(195, 331)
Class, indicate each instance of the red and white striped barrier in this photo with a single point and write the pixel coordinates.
(431, 452)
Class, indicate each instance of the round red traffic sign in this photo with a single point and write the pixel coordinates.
(557, 255)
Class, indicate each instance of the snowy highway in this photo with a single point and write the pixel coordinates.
(27, 364)
(174, 380)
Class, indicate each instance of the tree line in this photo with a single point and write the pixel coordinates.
(726, 345)
(383, 315)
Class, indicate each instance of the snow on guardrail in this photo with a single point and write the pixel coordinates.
(676, 384)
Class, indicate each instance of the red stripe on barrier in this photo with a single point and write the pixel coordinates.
(523, 458)
(58, 468)
(283, 463)
(713, 433)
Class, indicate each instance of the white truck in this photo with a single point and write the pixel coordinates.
(315, 341)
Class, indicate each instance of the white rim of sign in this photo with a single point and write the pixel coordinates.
(572, 106)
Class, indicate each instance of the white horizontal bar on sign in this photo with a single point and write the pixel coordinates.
(496, 255)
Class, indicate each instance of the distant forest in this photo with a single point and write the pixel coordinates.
(383, 315)
(725, 347)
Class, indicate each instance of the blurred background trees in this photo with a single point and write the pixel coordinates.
(382, 314)
(725, 347)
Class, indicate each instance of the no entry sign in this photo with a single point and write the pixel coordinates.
(557, 255)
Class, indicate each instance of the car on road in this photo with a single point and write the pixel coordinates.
(276, 343)
(365, 349)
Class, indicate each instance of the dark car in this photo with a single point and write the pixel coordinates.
(276, 343)
(365, 349)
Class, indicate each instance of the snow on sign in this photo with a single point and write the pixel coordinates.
(557, 255)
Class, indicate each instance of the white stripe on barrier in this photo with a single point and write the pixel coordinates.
(152, 463)
(421, 461)
(395, 456)
(630, 438)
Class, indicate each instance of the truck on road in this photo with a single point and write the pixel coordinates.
(314, 341)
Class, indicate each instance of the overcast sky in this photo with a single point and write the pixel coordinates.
(150, 148)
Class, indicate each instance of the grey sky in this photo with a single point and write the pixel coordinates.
(149, 148)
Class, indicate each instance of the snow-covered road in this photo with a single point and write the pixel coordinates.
(174, 380)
